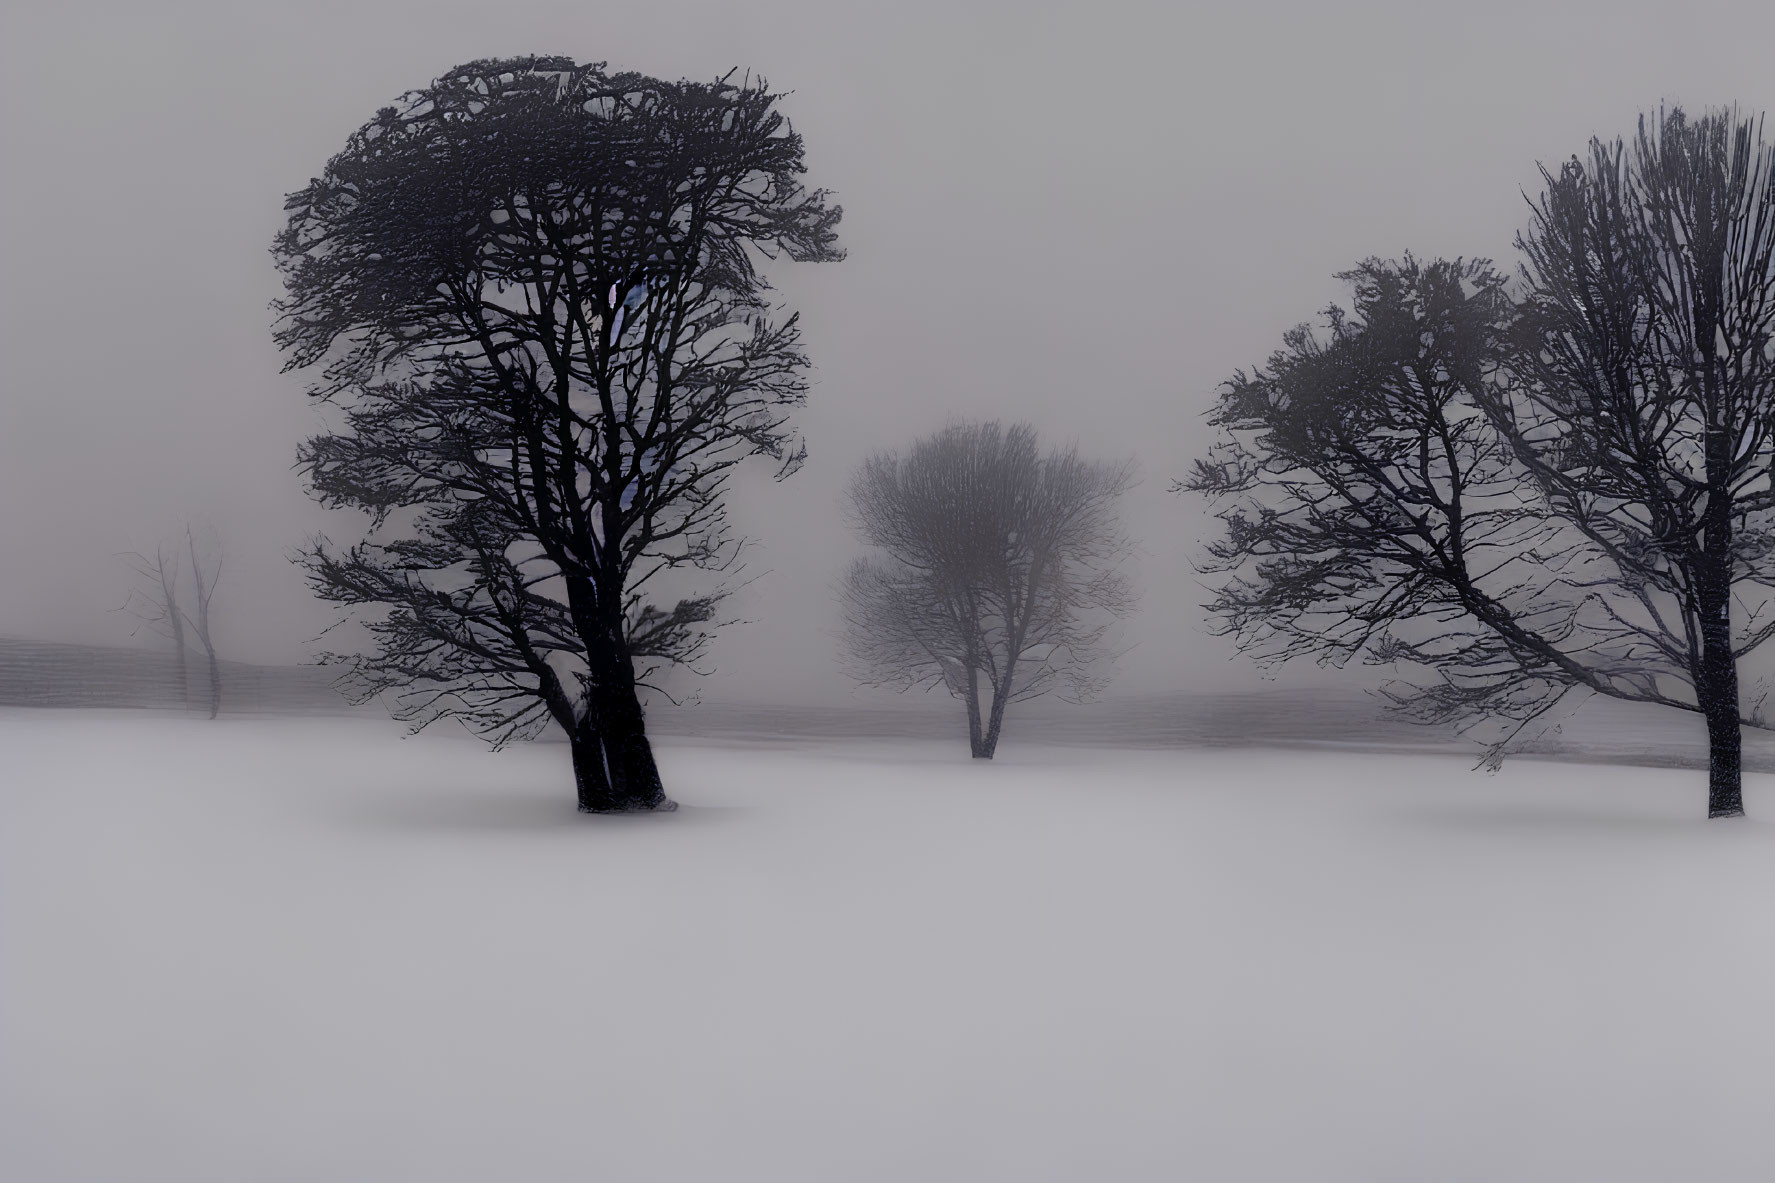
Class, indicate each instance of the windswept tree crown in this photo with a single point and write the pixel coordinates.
(537, 172)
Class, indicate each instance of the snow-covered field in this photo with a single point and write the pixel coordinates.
(262, 950)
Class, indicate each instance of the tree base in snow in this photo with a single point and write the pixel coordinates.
(665, 805)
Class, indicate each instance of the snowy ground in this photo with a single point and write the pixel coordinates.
(310, 950)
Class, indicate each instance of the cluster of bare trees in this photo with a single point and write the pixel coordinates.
(1513, 490)
(158, 601)
(532, 289)
(996, 569)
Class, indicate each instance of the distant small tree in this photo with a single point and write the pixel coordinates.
(534, 289)
(1567, 487)
(998, 570)
(154, 601)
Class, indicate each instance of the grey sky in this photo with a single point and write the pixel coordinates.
(1083, 215)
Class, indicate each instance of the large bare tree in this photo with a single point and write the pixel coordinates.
(997, 569)
(533, 289)
(1566, 487)
(1641, 394)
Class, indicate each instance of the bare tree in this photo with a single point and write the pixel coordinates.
(1566, 490)
(206, 569)
(533, 286)
(998, 570)
(154, 601)
(1641, 393)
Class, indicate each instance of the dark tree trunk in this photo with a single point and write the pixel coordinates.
(976, 735)
(590, 776)
(1001, 698)
(634, 777)
(1725, 791)
(634, 780)
(994, 723)
(1716, 690)
(1716, 682)
(612, 709)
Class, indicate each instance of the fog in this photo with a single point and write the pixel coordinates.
(1205, 928)
(1085, 217)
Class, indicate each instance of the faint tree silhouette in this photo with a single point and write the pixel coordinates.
(154, 602)
(998, 568)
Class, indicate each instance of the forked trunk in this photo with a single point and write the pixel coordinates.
(632, 775)
(613, 762)
(1001, 698)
